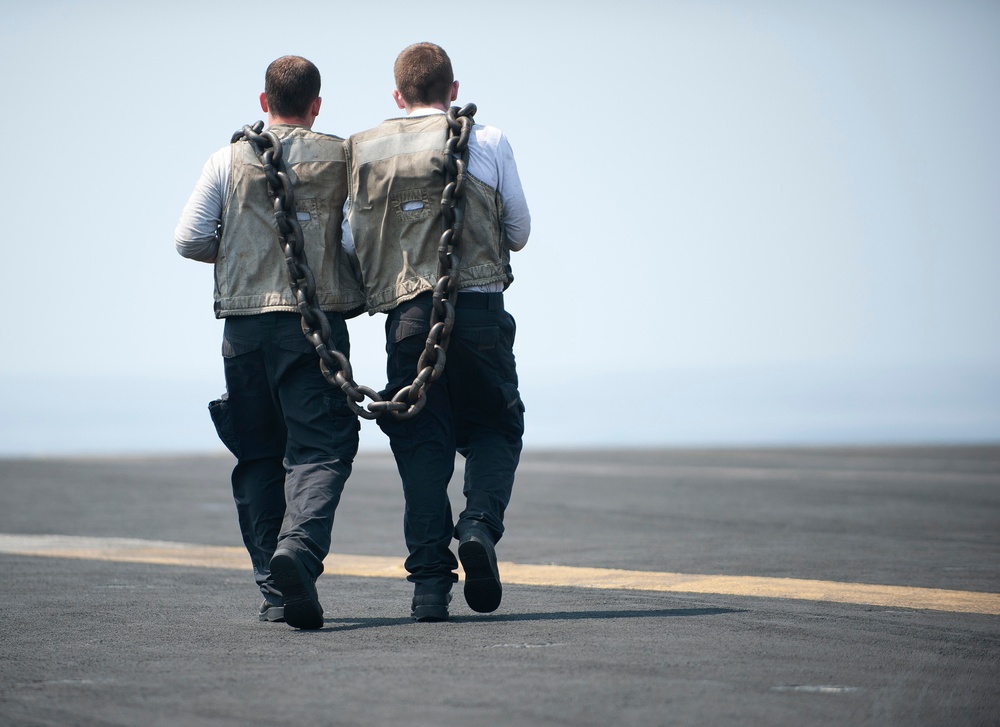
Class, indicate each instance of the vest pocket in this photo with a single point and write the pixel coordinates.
(411, 204)
(307, 212)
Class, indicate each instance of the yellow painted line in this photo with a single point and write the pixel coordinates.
(161, 552)
(156, 552)
(935, 599)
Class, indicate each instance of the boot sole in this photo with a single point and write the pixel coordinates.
(430, 614)
(302, 608)
(483, 590)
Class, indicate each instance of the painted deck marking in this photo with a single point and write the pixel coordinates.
(126, 550)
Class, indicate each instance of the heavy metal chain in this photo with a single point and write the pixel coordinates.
(409, 400)
(335, 366)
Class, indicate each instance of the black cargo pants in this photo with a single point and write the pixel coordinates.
(293, 435)
(474, 409)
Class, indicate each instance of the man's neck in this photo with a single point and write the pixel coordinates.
(289, 121)
(428, 108)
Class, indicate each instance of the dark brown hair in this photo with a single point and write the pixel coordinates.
(291, 84)
(423, 74)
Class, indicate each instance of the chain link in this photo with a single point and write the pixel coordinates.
(335, 366)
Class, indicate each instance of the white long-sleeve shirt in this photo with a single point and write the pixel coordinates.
(195, 234)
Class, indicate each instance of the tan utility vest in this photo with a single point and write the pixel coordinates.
(397, 179)
(250, 272)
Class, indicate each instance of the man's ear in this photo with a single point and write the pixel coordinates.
(454, 91)
(314, 109)
(263, 102)
(398, 98)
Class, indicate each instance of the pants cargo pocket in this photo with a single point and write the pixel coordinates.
(222, 418)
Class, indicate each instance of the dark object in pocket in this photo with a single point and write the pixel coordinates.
(222, 418)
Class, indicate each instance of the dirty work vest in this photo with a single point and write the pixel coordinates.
(397, 179)
(250, 272)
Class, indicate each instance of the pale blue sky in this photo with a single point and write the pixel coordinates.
(753, 222)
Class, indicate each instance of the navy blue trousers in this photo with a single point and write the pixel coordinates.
(293, 435)
(473, 409)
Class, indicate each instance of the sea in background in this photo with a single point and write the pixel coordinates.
(790, 405)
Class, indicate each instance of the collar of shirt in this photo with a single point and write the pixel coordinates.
(424, 111)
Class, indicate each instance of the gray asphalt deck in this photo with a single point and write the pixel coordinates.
(103, 642)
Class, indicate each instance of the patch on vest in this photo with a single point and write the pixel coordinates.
(411, 204)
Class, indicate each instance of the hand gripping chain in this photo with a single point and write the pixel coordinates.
(335, 366)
